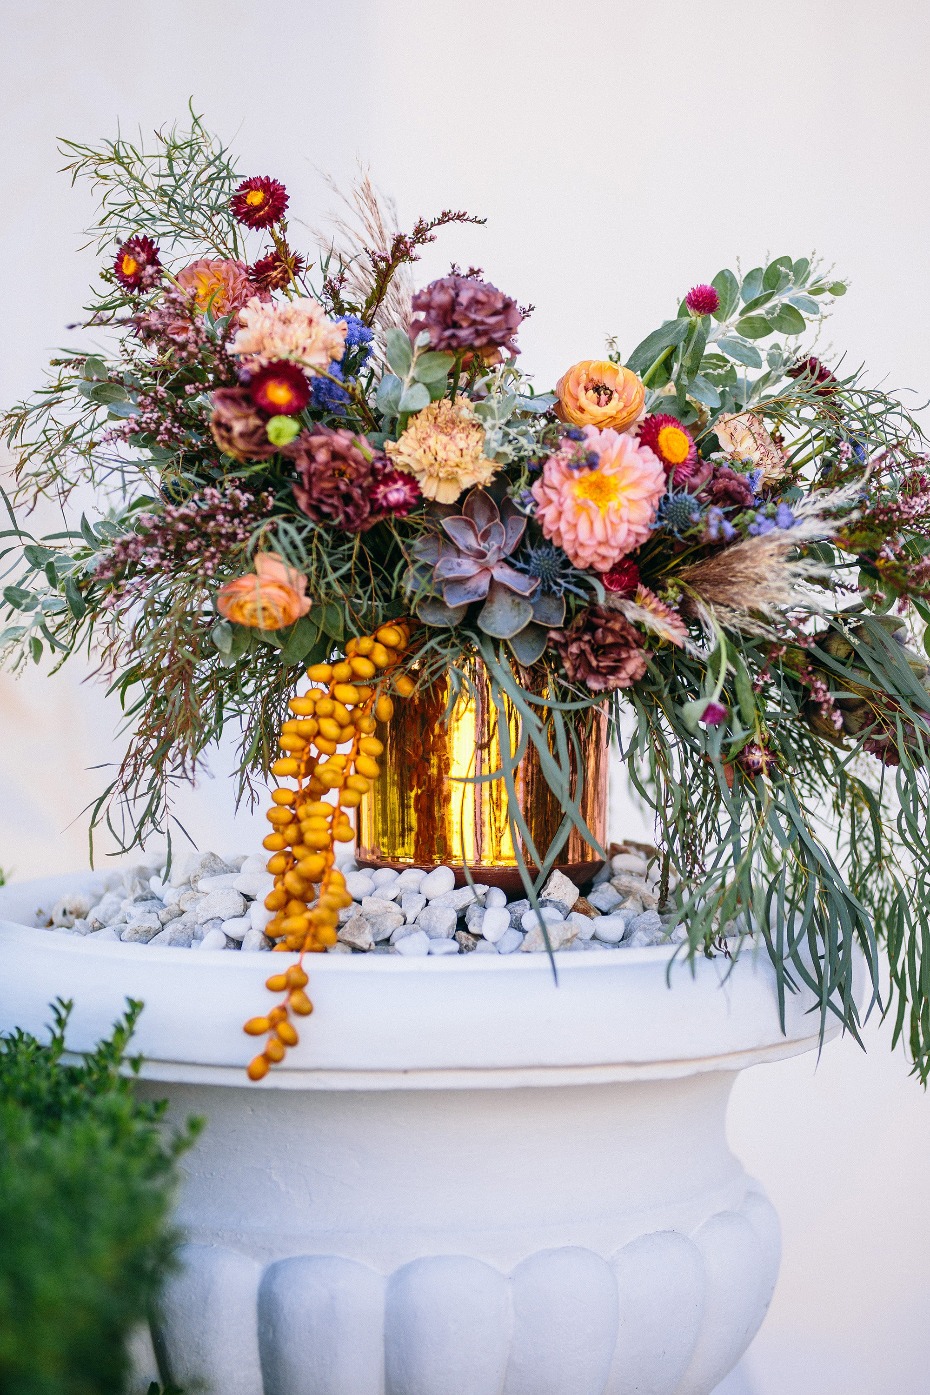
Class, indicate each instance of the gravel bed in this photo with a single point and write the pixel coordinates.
(208, 902)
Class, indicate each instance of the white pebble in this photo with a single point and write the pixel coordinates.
(443, 947)
(629, 862)
(510, 940)
(415, 944)
(610, 929)
(583, 924)
(107, 933)
(412, 903)
(259, 915)
(359, 885)
(495, 896)
(218, 882)
(255, 940)
(213, 939)
(237, 927)
(485, 947)
(385, 876)
(438, 882)
(530, 919)
(496, 923)
(411, 878)
(255, 884)
(256, 862)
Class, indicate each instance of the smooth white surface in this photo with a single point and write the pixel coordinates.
(622, 152)
(512, 1187)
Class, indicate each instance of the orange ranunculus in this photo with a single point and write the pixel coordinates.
(271, 597)
(600, 393)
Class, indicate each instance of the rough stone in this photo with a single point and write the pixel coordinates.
(457, 900)
(649, 923)
(105, 911)
(189, 900)
(560, 932)
(383, 916)
(635, 886)
(177, 935)
(225, 904)
(357, 933)
(437, 882)
(560, 888)
(439, 922)
(255, 940)
(413, 945)
(583, 907)
(107, 932)
(238, 927)
(474, 918)
(605, 898)
(610, 929)
(141, 930)
(338, 948)
(509, 942)
(496, 923)
(412, 903)
(208, 865)
(468, 942)
(516, 911)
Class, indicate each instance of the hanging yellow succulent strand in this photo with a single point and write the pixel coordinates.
(343, 710)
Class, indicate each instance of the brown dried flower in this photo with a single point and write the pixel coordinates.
(238, 426)
(337, 471)
(601, 649)
(460, 313)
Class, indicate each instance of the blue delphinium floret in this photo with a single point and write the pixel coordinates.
(718, 526)
(327, 396)
(358, 336)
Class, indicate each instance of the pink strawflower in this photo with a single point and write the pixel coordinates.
(702, 300)
(599, 515)
(297, 330)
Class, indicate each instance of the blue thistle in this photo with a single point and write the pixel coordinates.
(679, 512)
(551, 567)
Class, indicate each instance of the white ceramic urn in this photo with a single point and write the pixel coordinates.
(466, 1180)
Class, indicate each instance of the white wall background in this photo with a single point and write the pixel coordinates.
(621, 152)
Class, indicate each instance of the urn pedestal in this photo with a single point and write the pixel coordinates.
(466, 1180)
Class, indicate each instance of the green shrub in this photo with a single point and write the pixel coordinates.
(86, 1181)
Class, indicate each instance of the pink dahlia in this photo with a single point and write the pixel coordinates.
(218, 284)
(599, 515)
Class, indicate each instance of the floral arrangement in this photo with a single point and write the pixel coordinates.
(310, 465)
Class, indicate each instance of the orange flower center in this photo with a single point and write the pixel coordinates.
(278, 392)
(602, 394)
(599, 489)
(255, 198)
(673, 444)
(129, 265)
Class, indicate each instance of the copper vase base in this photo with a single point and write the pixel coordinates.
(507, 878)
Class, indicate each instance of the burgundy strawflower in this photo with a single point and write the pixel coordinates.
(337, 471)
(394, 492)
(672, 443)
(702, 300)
(280, 388)
(623, 578)
(259, 202)
(137, 265)
(460, 313)
(601, 649)
(238, 427)
(755, 759)
(277, 270)
(818, 372)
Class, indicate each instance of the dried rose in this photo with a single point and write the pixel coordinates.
(270, 598)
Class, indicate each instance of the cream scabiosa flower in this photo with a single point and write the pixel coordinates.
(598, 515)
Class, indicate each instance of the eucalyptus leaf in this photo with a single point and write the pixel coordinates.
(389, 393)
(778, 274)
(398, 351)
(303, 636)
(667, 336)
(222, 636)
(755, 327)
(727, 288)
(432, 367)
(789, 321)
(805, 303)
(704, 391)
(331, 620)
(752, 284)
(106, 393)
(19, 599)
(414, 398)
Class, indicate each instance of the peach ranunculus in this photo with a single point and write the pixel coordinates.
(597, 392)
(270, 598)
(218, 284)
(599, 515)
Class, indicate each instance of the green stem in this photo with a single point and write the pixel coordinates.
(654, 368)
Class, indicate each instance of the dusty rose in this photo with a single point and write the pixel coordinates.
(601, 649)
(598, 515)
(296, 329)
(217, 284)
(238, 427)
(460, 312)
(443, 448)
(270, 598)
(597, 392)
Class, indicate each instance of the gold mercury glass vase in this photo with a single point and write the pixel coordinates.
(427, 809)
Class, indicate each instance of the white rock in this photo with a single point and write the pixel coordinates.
(255, 862)
(641, 939)
(495, 896)
(602, 874)
(457, 900)
(142, 930)
(359, 884)
(383, 916)
(158, 886)
(338, 949)
(411, 878)
(609, 929)
(474, 918)
(439, 922)
(238, 927)
(629, 862)
(649, 923)
(605, 898)
(510, 941)
(217, 882)
(190, 899)
(438, 882)
(384, 876)
(213, 939)
(485, 946)
(634, 886)
(496, 924)
(177, 935)
(74, 906)
(559, 888)
(224, 904)
(254, 940)
(631, 906)
(584, 925)
(182, 868)
(414, 945)
(107, 933)
(516, 910)
(412, 903)
(357, 933)
(530, 919)
(560, 932)
(346, 862)
(105, 911)
(254, 884)
(208, 865)
(259, 915)
(443, 947)
(236, 862)
(402, 931)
